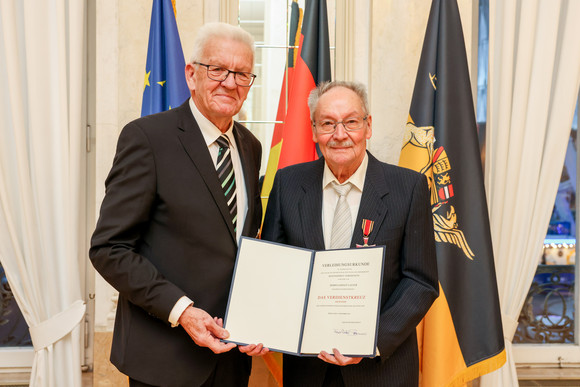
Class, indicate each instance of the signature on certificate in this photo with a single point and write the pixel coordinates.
(348, 332)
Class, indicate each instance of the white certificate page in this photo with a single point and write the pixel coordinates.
(268, 295)
(343, 304)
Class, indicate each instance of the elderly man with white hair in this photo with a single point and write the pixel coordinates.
(349, 198)
(182, 190)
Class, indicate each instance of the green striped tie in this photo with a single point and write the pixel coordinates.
(225, 170)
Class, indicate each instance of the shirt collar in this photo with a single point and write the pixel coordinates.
(357, 179)
(209, 131)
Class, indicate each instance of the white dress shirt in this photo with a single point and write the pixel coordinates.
(330, 197)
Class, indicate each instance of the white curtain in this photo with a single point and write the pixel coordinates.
(534, 76)
(42, 48)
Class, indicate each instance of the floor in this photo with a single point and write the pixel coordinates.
(88, 382)
(21, 380)
(550, 383)
(87, 379)
(260, 377)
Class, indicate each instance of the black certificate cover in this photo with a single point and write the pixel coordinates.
(300, 301)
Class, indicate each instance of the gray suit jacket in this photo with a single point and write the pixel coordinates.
(165, 231)
(397, 200)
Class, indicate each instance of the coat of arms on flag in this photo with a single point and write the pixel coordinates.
(440, 141)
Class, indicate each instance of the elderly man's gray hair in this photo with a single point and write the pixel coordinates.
(210, 31)
(316, 93)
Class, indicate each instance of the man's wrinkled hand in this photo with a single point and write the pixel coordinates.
(337, 358)
(254, 349)
(205, 330)
(251, 349)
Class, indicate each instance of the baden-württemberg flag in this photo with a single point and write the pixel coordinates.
(461, 337)
(165, 85)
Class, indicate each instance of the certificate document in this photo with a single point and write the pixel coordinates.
(301, 301)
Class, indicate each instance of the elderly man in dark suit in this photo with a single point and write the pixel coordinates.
(182, 190)
(349, 198)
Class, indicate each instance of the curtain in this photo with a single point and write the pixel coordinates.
(42, 50)
(534, 76)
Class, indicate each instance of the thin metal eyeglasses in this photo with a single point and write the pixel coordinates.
(350, 124)
(220, 74)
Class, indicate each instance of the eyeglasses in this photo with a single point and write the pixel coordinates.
(220, 74)
(350, 125)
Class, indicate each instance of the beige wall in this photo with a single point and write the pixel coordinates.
(397, 33)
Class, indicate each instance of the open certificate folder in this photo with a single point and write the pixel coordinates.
(301, 301)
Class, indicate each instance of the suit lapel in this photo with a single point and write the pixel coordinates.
(250, 177)
(195, 147)
(310, 207)
(372, 205)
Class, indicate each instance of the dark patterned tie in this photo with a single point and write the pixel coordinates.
(225, 170)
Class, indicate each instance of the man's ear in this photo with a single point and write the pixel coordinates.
(314, 138)
(189, 76)
(369, 132)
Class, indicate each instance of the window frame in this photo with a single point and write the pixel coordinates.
(560, 356)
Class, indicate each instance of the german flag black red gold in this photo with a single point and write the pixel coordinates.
(312, 67)
(292, 141)
(461, 337)
(296, 17)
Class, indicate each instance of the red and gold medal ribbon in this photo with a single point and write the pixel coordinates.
(367, 227)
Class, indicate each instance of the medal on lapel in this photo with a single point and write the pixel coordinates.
(367, 227)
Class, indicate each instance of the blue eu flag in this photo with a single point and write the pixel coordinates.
(165, 85)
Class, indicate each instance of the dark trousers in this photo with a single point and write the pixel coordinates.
(333, 377)
(225, 374)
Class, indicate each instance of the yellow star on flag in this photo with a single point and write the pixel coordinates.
(147, 79)
(161, 83)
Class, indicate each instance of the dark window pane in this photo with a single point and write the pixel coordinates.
(13, 328)
(548, 313)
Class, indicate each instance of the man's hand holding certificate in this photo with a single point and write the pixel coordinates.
(303, 302)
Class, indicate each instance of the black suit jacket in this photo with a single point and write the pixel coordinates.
(397, 200)
(165, 231)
